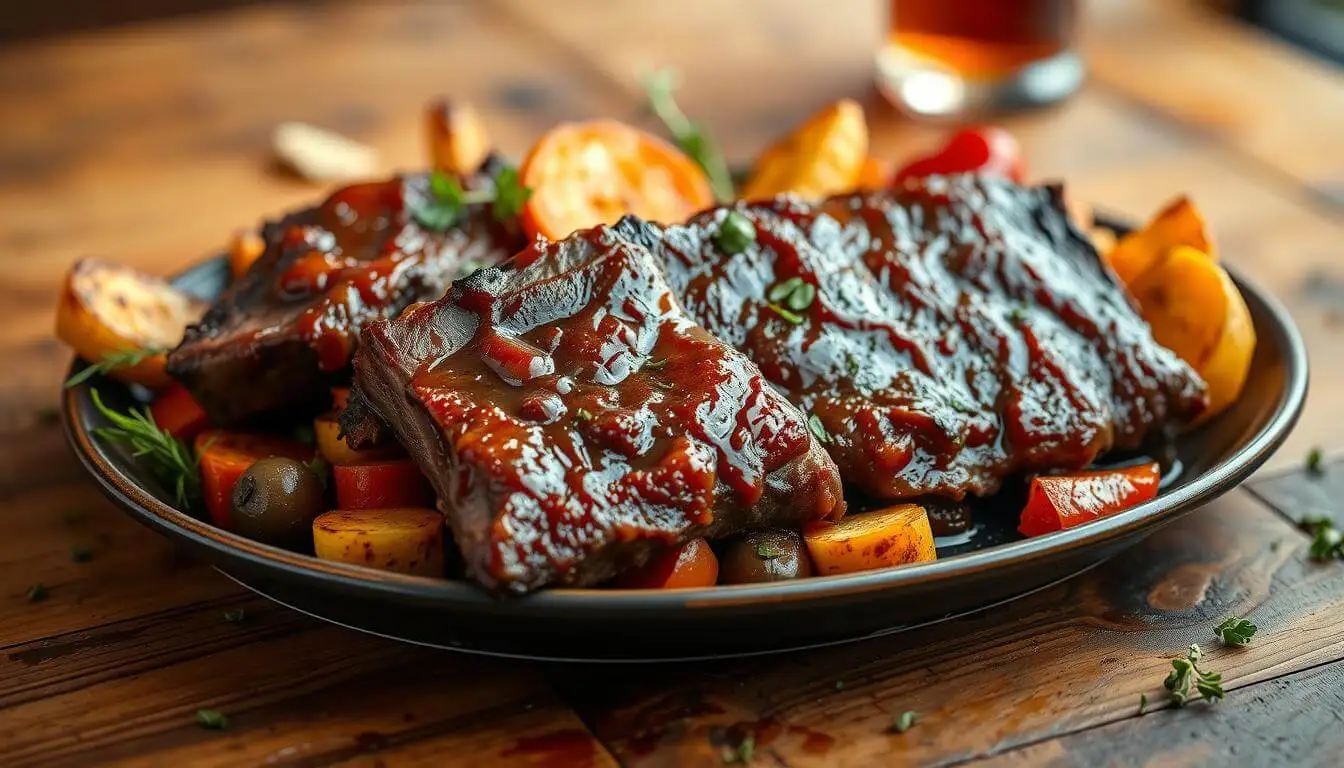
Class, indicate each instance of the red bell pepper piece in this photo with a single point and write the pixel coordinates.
(1056, 502)
(987, 150)
(692, 564)
(225, 456)
(381, 484)
(177, 412)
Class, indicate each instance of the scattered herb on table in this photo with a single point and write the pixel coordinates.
(1235, 631)
(839, 685)
(1315, 462)
(81, 554)
(235, 617)
(688, 135)
(169, 458)
(123, 358)
(1326, 540)
(1187, 682)
(37, 593)
(743, 753)
(47, 415)
(904, 721)
(212, 719)
(1143, 702)
(74, 516)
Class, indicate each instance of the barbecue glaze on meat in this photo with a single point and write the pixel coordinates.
(280, 335)
(963, 330)
(574, 419)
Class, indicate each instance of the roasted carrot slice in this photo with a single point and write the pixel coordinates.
(692, 564)
(380, 484)
(176, 411)
(585, 174)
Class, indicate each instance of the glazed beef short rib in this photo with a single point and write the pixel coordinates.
(574, 419)
(943, 336)
(280, 335)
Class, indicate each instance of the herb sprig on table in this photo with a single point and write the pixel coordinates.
(122, 358)
(1235, 631)
(1187, 682)
(687, 134)
(1326, 540)
(167, 457)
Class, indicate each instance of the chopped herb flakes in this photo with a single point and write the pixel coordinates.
(767, 551)
(235, 617)
(1186, 675)
(1234, 631)
(37, 593)
(212, 719)
(743, 753)
(904, 722)
(1143, 702)
(1326, 540)
(817, 428)
(790, 317)
(81, 554)
(583, 414)
(795, 294)
(1315, 461)
(447, 202)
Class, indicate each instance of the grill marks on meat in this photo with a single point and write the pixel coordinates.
(285, 331)
(574, 419)
(963, 330)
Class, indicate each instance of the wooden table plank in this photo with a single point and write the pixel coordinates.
(1068, 659)
(1221, 79)
(1291, 721)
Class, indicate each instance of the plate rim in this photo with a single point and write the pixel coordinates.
(563, 601)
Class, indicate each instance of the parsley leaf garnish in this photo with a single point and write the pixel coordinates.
(583, 414)
(235, 617)
(689, 136)
(122, 358)
(1186, 674)
(817, 428)
(1234, 631)
(447, 202)
(168, 458)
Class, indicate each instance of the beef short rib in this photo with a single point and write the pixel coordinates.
(942, 336)
(574, 419)
(281, 334)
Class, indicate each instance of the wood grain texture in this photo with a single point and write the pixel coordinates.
(149, 144)
(1067, 659)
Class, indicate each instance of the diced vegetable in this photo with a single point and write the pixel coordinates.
(108, 310)
(177, 412)
(405, 540)
(823, 156)
(1179, 223)
(245, 247)
(332, 448)
(585, 174)
(225, 456)
(1056, 502)
(986, 150)
(1196, 311)
(381, 484)
(875, 173)
(458, 141)
(879, 539)
(692, 564)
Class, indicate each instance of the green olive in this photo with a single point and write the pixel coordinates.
(774, 555)
(275, 502)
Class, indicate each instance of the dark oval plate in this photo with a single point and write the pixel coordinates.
(631, 625)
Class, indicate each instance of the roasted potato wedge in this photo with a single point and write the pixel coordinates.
(885, 537)
(107, 309)
(401, 539)
(245, 247)
(458, 141)
(1180, 223)
(335, 451)
(1197, 312)
(823, 156)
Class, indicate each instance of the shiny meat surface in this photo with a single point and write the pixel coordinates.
(285, 331)
(575, 420)
(943, 336)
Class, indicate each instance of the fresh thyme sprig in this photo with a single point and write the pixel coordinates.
(169, 458)
(1186, 674)
(122, 358)
(688, 135)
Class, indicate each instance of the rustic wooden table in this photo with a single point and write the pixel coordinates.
(147, 144)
